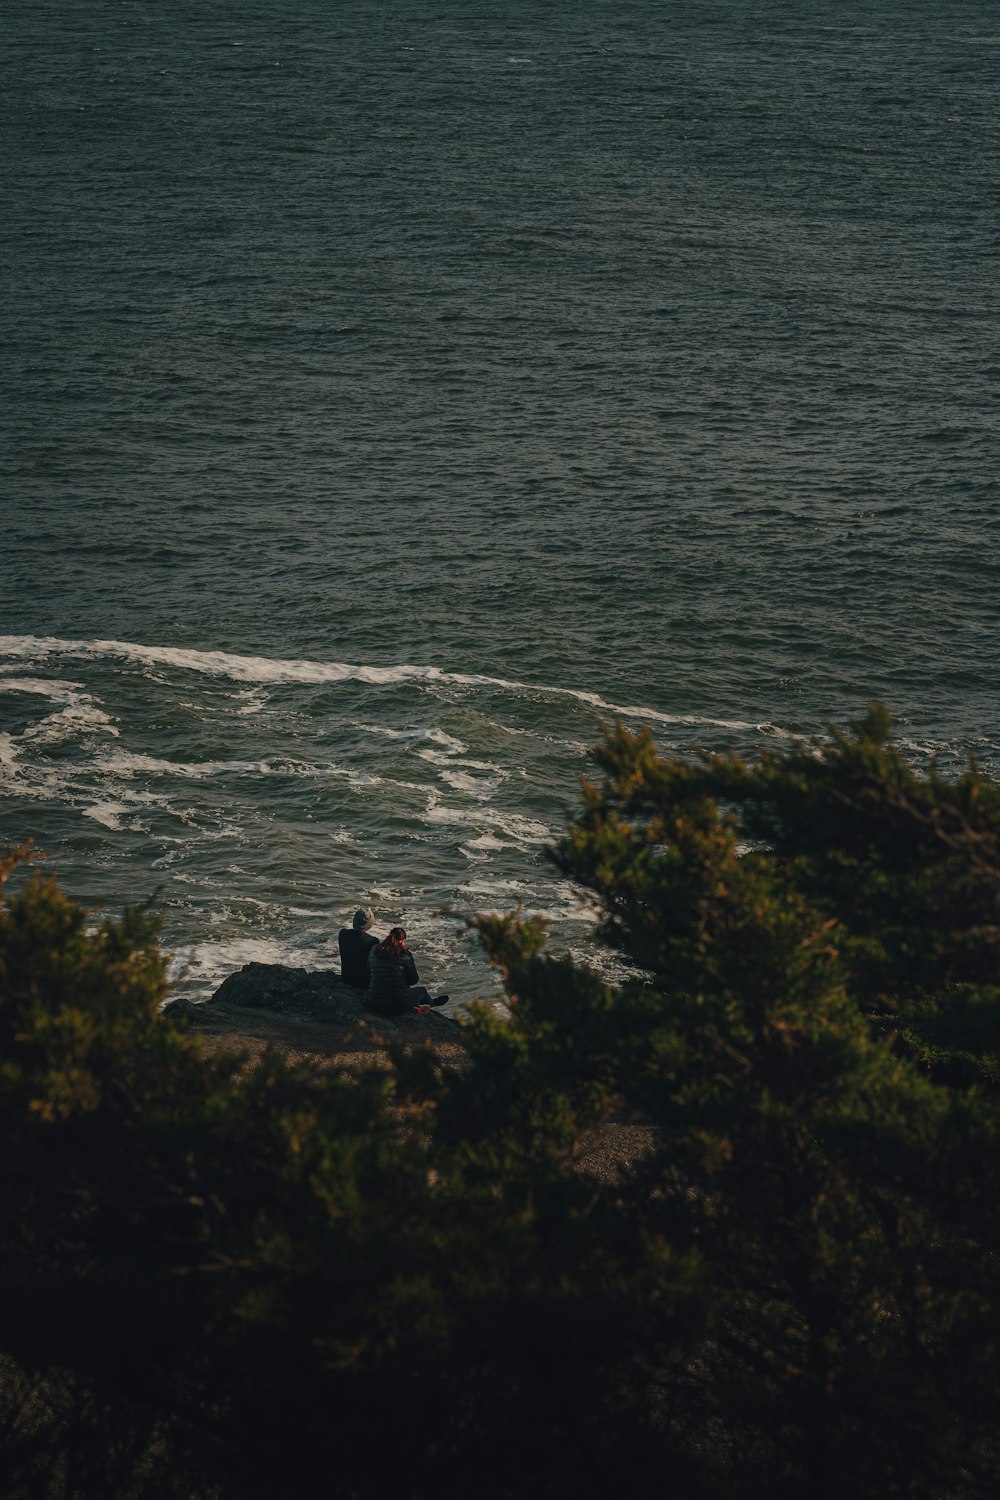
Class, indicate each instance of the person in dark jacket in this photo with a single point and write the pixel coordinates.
(392, 978)
(356, 942)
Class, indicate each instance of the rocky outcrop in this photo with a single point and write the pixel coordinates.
(317, 997)
(314, 1016)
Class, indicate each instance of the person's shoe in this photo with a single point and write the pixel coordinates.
(440, 1000)
(419, 1010)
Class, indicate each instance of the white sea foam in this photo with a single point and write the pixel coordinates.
(79, 718)
(251, 700)
(558, 902)
(520, 829)
(107, 813)
(446, 758)
(57, 691)
(438, 736)
(260, 669)
(474, 856)
(128, 763)
(483, 887)
(78, 714)
(202, 967)
(486, 845)
(473, 786)
(447, 740)
(605, 963)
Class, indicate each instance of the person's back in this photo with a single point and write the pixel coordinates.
(391, 973)
(392, 978)
(355, 943)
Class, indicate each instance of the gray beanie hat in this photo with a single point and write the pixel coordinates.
(363, 919)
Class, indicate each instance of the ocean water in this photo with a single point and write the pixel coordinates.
(391, 392)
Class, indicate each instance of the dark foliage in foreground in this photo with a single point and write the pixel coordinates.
(230, 1282)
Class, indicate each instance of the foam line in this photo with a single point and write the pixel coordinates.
(261, 669)
(78, 711)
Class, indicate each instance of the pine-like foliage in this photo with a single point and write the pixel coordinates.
(223, 1280)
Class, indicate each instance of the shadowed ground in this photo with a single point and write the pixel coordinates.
(315, 1015)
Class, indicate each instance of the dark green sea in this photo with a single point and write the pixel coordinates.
(391, 391)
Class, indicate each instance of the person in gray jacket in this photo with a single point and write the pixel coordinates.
(393, 979)
(355, 943)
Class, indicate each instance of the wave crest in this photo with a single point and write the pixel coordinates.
(265, 670)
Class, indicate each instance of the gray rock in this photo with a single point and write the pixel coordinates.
(317, 995)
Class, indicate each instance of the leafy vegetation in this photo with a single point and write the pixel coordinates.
(225, 1281)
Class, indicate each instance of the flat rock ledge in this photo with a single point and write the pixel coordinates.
(305, 1012)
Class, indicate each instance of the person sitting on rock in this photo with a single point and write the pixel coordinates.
(356, 942)
(392, 978)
